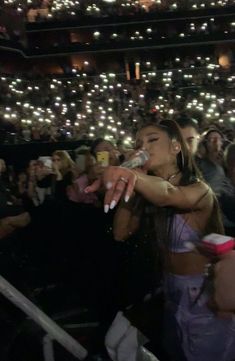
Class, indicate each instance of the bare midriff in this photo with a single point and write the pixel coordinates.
(189, 263)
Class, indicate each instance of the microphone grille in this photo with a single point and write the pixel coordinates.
(143, 155)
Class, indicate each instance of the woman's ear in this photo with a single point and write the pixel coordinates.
(176, 147)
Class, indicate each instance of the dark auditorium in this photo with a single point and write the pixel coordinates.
(117, 180)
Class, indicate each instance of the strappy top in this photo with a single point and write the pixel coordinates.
(183, 237)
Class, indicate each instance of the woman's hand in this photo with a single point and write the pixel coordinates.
(118, 182)
(20, 221)
(56, 171)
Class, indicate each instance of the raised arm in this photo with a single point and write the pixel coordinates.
(162, 193)
(9, 224)
(154, 189)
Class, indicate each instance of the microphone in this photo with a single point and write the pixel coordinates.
(140, 158)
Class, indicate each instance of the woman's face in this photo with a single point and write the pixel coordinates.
(162, 150)
(32, 163)
(57, 161)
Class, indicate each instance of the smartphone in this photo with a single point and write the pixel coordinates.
(103, 158)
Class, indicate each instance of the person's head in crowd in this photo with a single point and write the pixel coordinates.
(22, 177)
(46, 161)
(169, 153)
(201, 150)
(230, 161)
(84, 159)
(3, 167)
(62, 161)
(213, 141)
(43, 167)
(125, 153)
(32, 163)
(190, 132)
(31, 170)
(102, 145)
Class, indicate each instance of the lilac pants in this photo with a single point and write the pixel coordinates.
(192, 331)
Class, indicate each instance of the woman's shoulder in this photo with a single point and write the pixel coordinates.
(199, 185)
(200, 193)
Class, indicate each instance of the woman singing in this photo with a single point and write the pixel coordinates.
(170, 192)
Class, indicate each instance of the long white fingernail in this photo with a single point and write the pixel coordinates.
(109, 185)
(113, 204)
(127, 198)
(106, 208)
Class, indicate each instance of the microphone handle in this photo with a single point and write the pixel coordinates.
(134, 163)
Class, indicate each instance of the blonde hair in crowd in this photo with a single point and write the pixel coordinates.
(67, 164)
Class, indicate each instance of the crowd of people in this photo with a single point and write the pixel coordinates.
(57, 196)
(85, 107)
(45, 10)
